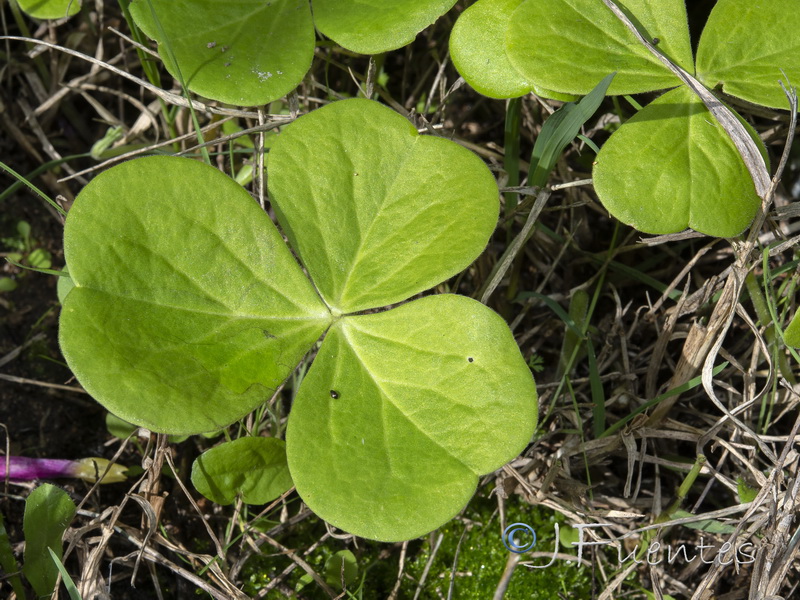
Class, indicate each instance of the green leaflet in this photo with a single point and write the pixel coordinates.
(385, 213)
(748, 46)
(341, 566)
(64, 286)
(50, 9)
(569, 45)
(236, 51)
(374, 26)
(672, 166)
(412, 447)
(188, 309)
(792, 333)
(254, 467)
(250, 53)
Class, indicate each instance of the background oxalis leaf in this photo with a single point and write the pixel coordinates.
(747, 47)
(477, 45)
(570, 45)
(188, 310)
(251, 53)
(677, 132)
(373, 27)
(254, 467)
(239, 52)
(567, 45)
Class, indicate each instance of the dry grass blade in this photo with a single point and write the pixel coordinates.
(169, 97)
(501, 268)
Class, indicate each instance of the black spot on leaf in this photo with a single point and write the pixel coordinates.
(334, 394)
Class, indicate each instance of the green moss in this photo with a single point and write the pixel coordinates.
(481, 560)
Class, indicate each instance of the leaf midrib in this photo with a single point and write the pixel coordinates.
(377, 217)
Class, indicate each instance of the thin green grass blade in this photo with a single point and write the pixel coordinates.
(37, 270)
(73, 592)
(33, 188)
(578, 307)
(149, 68)
(556, 308)
(560, 129)
(589, 143)
(511, 158)
(198, 131)
(580, 432)
(676, 391)
(38, 171)
(632, 102)
(598, 395)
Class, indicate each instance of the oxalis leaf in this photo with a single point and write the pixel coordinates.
(48, 513)
(792, 333)
(254, 467)
(50, 9)
(372, 27)
(188, 310)
(478, 49)
(672, 166)
(401, 410)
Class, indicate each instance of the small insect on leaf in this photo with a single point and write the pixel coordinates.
(334, 394)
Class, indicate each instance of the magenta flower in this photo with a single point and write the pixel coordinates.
(21, 468)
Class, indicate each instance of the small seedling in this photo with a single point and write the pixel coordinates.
(24, 253)
(253, 467)
(48, 512)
